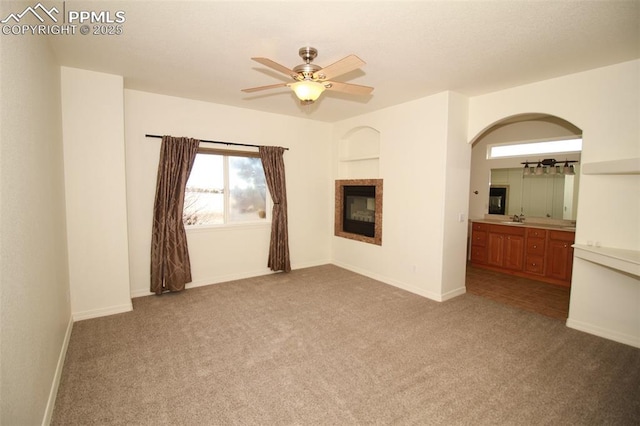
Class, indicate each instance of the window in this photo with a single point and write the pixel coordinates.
(524, 149)
(224, 189)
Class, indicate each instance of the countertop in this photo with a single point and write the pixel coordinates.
(529, 224)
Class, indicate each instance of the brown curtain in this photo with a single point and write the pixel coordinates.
(170, 266)
(273, 165)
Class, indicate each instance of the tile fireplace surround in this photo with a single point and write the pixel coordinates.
(339, 209)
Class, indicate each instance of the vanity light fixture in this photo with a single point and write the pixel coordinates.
(550, 166)
(567, 169)
(539, 169)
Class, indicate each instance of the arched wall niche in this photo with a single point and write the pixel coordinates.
(359, 154)
(518, 128)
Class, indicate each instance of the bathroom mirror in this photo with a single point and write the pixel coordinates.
(546, 195)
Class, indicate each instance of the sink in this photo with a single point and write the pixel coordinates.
(512, 223)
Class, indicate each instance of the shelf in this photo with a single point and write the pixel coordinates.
(623, 260)
(368, 157)
(630, 166)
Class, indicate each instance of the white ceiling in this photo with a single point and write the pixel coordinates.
(202, 49)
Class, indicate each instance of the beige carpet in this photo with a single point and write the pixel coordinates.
(325, 346)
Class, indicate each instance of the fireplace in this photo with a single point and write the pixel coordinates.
(358, 214)
(359, 209)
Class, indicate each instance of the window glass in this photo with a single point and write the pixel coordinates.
(247, 189)
(204, 194)
(535, 148)
(223, 189)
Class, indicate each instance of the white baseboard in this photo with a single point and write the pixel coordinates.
(102, 312)
(404, 286)
(453, 293)
(603, 332)
(51, 402)
(231, 277)
(311, 264)
(209, 281)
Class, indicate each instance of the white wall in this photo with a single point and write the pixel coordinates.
(414, 148)
(93, 128)
(456, 206)
(605, 104)
(35, 319)
(227, 253)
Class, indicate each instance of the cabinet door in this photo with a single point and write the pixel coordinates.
(559, 260)
(495, 249)
(560, 255)
(513, 252)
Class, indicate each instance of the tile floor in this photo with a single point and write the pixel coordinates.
(533, 296)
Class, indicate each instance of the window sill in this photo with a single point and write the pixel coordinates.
(227, 227)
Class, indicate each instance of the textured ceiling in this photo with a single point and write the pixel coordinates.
(202, 50)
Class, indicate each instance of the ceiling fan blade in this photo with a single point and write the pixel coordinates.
(352, 89)
(275, 66)
(343, 66)
(271, 86)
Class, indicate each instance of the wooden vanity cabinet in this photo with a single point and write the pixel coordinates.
(505, 247)
(536, 253)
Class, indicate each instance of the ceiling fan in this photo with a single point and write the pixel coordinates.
(310, 80)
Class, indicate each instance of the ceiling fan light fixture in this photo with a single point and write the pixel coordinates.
(310, 80)
(308, 91)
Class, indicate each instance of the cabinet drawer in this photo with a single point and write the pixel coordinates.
(505, 229)
(536, 233)
(535, 246)
(479, 238)
(478, 254)
(535, 265)
(562, 236)
(479, 226)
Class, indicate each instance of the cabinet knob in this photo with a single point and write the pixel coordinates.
(565, 246)
(535, 246)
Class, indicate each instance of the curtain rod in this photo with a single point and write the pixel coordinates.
(218, 142)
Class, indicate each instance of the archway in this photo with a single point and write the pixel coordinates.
(520, 129)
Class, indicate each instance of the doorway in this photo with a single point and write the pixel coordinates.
(497, 198)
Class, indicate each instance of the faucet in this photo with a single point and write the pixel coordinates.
(517, 218)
